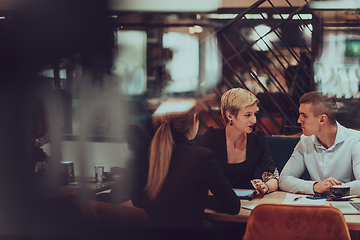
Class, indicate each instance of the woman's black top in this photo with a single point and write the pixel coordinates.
(193, 171)
(257, 155)
(236, 170)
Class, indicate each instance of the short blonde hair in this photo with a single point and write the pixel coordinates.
(235, 99)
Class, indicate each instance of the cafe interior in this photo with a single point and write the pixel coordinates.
(76, 74)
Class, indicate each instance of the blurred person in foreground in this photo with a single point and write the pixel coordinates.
(329, 151)
(180, 174)
(238, 149)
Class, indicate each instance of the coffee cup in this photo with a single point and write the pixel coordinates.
(339, 191)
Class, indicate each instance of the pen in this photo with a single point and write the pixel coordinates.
(297, 198)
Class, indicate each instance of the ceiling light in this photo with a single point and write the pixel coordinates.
(280, 16)
(334, 4)
(164, 5)
(221, 16)
(262, 30)
(295, 17)
(302, 16)
(198, 29)
(256, 16)
(191, 30)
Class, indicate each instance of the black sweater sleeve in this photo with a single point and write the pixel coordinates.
(224, 198)
(208, 139)
(266, 163)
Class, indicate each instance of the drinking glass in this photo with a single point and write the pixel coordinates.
(99, 173)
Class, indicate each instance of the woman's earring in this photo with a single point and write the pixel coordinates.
(231, 123)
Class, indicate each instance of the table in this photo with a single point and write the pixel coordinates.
(89, 186)
(353, 221)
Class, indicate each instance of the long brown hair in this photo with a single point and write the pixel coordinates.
(177, 115)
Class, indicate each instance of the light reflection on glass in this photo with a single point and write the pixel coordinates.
(130, 61)
(184, 65)
(336, 70)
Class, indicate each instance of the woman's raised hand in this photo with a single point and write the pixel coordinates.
(260, 186)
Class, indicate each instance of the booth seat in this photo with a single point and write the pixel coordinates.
(281, 149)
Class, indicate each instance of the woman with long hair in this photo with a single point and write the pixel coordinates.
(180, 174)
(237, 148)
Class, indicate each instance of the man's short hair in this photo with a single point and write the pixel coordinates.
(321, 104)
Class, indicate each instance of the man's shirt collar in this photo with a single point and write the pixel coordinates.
(340, 138)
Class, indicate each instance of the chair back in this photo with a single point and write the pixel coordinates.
(278, 221)
(116, 214)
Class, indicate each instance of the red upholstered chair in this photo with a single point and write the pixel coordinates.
(116, 214)
(278, 221)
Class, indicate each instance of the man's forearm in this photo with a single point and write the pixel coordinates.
(296, 185)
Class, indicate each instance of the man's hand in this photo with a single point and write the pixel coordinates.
(325, 185)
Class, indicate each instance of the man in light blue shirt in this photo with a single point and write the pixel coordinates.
(329, 151)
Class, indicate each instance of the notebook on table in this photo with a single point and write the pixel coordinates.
(350, 207)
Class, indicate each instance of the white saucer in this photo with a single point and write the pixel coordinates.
(346, 198)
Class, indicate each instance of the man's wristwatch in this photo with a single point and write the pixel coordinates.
(314, 189)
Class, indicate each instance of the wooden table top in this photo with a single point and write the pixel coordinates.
(88, 185)
(353, 221)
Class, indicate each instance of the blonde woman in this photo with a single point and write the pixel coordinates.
(238, 149)
(180, 174)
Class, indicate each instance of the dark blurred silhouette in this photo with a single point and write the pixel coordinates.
(35, 35)
(131, 181)
(139, 140)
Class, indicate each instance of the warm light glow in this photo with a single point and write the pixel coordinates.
(280, 16)
(50, 73)
(307, 32)
(335, 4)
(302, 16)
(306, 29)
(198, 29)
(336, 71)
(211, 59)
(221, 16)
(295, 17)
(256, 16)
(173, 107)
(183, 68)
(260, 32)
(130, 61)
(165, 5)
(191, 30)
